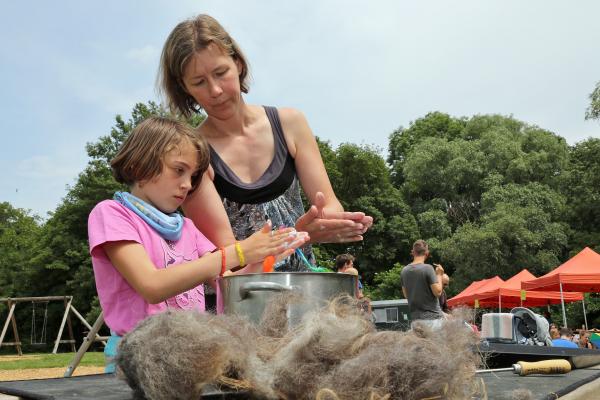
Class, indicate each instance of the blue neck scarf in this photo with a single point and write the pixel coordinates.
(168, 226)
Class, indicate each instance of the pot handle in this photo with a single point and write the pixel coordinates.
(246, 288)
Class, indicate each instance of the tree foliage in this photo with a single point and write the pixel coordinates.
(59, 262)
(593, 111)
(360, 179)
(18, 234)
(582, 192)
(490, 194)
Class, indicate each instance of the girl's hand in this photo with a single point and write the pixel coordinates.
(280, 243)
(326, 226)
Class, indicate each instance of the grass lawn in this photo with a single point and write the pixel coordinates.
(45, 360)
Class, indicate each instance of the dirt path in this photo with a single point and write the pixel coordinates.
(41, 373)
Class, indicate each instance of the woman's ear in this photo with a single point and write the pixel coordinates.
(239, 65)
(183, 87)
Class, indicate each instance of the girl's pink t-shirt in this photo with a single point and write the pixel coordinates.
(123, 307)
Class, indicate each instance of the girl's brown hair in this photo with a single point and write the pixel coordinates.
(188, 38)
(142, 154)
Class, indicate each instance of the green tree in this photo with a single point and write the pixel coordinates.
(19, 230)
(361, 181)
(593, 111)
(486, 192)
(581, 187)
(386, 285)
(402, 141)
(61, 256)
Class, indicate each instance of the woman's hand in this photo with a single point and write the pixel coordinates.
(325, 226)
(280, 243)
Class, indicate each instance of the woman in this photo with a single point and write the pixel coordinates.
(260, 156)
(584, 340)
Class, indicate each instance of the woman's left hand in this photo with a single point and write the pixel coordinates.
(325, 226)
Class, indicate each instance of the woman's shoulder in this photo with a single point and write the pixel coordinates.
(291, 115)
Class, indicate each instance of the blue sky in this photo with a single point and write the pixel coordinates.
(358, 70)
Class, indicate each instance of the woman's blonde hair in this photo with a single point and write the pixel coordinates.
(186, 39)
(141, 157)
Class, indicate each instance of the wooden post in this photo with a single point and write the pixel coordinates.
(11, 309)
(62, 326)
(85, 345)
(87, 325)
(69, 325)
(9, 319)
(16, 332)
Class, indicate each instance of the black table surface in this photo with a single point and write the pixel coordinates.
(98, 387)
(499, 385)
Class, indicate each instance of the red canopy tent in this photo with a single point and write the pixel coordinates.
(508, 294)
(581, 273)
(467, 297)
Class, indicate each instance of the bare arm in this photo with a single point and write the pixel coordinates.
(156, 285)
(436, 288)
(404, 292)
(326, 220)
(205, 209)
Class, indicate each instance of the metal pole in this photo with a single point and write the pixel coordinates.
(562, 302)
(584, 317)
(499, 303)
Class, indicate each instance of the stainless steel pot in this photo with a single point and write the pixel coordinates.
(248, 295)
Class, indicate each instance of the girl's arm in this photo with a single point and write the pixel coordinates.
(205, 208)
(157, 285)
(326, 220)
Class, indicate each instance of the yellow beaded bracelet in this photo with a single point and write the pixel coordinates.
(240, 254)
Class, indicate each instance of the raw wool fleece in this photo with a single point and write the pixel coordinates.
(173, 355)
(324, 339)
(336, 353)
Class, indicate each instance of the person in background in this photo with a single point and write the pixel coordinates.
(344, 263)
(584, 340)
(259, 156)
(422, 286)
(565, 339)
(575, 337)
(554, 333)
(146, 257)
(443, 299)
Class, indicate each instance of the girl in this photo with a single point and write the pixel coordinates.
(260, 156)
(147, 257)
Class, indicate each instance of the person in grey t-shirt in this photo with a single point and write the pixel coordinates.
(422, 286)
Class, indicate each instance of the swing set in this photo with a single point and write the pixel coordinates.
(40, 317)
(35, 339)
